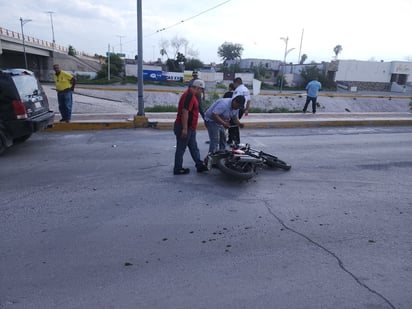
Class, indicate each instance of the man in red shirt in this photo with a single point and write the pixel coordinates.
(185, 128)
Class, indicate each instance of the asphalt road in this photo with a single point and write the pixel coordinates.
(95, 219)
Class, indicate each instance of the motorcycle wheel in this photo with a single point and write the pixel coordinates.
(236, 170)
(275, 162)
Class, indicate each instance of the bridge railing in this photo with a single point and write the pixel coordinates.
(29, 39)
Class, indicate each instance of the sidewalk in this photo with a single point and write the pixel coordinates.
(164, 121)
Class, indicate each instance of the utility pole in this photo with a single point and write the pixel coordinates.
(22, 23)
(108, 62)
(284, 60)
(140, 111)
(51, 21)
(120, 37)
(300, 48)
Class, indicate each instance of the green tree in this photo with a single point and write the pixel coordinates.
(171, 65)
(259, 71)
(176, 65)
(233, 68)
(116, 67)
(337, 50)
(310, 73)
(229, 51)
(72, 51)
(193, 64)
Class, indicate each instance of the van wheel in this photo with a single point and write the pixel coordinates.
(3, 144)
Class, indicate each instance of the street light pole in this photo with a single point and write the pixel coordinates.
(51, 21)
(120, 37)
(140, 99)
(22, 23)
(284, 60)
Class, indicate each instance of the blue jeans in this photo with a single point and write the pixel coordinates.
(182, 143)
(65, 100)
(217, 136)
(308, 99)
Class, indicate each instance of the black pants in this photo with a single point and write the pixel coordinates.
(234, 132)
(308, 99)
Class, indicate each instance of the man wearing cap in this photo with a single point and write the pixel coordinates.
(195, 75)
(219, 116)
(185, 128)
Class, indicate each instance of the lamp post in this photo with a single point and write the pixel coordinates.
(284, 60)
(22, 23)
(140, 99)
(120, 38)
(51, 21)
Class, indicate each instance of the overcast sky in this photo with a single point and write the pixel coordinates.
(366, 29)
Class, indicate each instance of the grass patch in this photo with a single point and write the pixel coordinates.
(274, 110)
(161, 109)
(173, 109)
(101, 81)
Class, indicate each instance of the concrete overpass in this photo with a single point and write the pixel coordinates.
(41, 55)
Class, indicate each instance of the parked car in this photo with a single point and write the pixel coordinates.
(24, 107)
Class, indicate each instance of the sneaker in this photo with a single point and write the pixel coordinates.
(181, 171)
(201, 168)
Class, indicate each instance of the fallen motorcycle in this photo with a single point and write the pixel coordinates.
(242, 161)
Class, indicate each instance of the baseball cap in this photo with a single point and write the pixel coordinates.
(198, 83)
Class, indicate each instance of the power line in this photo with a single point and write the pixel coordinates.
(192, 17)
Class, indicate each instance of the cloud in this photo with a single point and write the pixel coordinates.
(365, 28)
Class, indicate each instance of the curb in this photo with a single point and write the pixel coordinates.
(143, 122)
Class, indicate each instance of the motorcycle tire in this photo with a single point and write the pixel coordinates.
(247, 172)
(275, 162)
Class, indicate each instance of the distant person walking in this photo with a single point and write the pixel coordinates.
(65, 83)
(312, 89)
(201, 97)
(185, 128)
(240, 89)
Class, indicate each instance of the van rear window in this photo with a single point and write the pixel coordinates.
(26, 85)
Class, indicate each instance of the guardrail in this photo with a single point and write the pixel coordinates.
(28, 39)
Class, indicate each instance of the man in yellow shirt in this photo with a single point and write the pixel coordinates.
(65, 83)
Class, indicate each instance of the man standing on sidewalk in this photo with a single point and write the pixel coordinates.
(185, 128)
(312, 89)
(65, 83)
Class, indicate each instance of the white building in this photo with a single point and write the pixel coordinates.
(371, 75)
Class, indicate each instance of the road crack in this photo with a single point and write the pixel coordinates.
(329, 252)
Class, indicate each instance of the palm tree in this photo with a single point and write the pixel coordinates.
(303, 58)
(337, 50)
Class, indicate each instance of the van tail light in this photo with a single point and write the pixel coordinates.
(19, 109)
